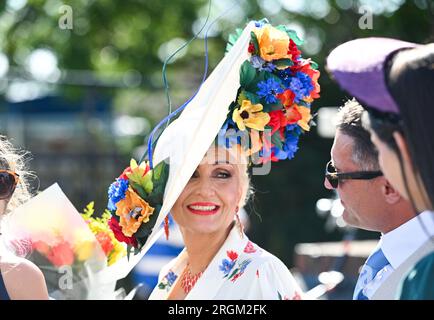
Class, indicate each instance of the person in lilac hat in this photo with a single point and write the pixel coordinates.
(394, 80)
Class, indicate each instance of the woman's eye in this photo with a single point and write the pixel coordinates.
(195, 175)
(223, 174)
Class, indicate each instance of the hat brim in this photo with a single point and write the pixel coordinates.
(359, 68)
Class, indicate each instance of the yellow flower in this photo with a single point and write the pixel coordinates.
(273, 43)
(133, 211)
(117, 253)
(251, 116)
(84, 250)
(84, 244)
(305, 118)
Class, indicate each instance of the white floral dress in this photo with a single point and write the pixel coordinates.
(240, 270)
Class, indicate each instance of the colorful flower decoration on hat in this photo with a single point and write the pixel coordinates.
(277, 87)
(135, 199)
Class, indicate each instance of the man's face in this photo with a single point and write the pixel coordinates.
(363, 200)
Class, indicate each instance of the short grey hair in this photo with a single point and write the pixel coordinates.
(349, 122)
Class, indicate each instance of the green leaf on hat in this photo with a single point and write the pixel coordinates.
(275, 139)
(241, 97)
(291, 34)
(274, 107)
(283, 63)
(254, 99)
(139, 189)
(247, 74)
(254, 40)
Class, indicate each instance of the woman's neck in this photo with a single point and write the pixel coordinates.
(201, 248)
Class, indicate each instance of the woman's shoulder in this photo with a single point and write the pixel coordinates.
(260, 256)
(262, 274)
(23, 279)
(418, 283)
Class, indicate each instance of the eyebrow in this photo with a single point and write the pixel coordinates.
(221, 162)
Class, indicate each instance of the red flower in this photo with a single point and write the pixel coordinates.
(277, 120)
(105, 241)
(61, 254)
(41, 247)
(119, 235)
(287, 97)
(251, 48)
(232, 255)
(293, 50)
(124, 174)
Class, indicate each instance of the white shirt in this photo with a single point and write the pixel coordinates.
(399, 244)
(240, 270)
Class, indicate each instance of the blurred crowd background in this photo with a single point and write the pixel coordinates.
(82, 96)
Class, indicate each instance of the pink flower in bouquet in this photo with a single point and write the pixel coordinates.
(61, 254)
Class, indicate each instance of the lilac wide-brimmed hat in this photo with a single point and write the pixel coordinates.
(358, 66)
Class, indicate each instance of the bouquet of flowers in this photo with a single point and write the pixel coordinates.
(49, 231)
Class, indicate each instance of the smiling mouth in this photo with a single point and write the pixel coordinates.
(203, 209)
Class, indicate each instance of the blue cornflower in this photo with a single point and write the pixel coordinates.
(290, 146)
(269, 89)
(301, 85)
(171, 278)
(227, 266)
(117, 192)
(293, 129)
(260, 64)
(259, 24)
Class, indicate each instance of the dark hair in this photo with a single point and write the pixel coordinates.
(349, 122)
(410, 80)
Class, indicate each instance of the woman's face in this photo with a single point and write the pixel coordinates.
(389, 163)
(209, 201)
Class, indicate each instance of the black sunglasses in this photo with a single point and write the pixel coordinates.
(333, 176)
(8, 183)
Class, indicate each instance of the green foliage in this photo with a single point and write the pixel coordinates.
(247, 74)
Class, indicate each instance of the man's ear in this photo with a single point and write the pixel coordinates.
(391, 195)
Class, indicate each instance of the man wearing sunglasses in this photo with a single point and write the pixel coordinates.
(369, 200)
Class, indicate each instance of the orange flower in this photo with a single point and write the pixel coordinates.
(305, 118)
(273, 43)
(293, 114)
(133, 211)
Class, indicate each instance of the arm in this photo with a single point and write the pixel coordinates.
(24, 281)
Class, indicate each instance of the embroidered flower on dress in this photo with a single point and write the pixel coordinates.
(249, 248)
(168, 280)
